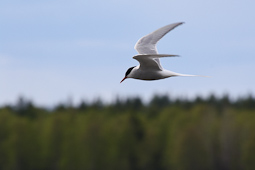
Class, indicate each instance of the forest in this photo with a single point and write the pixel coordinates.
(204, 133)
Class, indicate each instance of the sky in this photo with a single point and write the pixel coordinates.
(56, 50)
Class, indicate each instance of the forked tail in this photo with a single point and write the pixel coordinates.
(187, 75)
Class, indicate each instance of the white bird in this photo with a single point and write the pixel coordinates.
(148, 57)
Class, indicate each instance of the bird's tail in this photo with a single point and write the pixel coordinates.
(188, 75)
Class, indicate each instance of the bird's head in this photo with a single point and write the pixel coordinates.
(127, 75)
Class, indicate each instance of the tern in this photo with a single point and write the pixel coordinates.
(148, 57)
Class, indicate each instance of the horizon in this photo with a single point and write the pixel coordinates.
(69, 101)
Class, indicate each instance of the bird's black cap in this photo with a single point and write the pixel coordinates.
(129, 70)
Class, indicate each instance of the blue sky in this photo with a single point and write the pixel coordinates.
(52, 50)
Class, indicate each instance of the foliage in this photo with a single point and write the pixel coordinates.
(204, 133)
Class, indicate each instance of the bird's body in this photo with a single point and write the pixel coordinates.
(142, 74)
(148, 57)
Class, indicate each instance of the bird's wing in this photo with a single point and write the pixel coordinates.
(150, 62)
(147, 44)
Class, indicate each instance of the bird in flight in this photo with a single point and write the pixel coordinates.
(148, 57)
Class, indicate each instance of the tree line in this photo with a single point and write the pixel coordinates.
(165, 133)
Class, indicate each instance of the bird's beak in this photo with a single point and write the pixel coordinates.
(123, 79)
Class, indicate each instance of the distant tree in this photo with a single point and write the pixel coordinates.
(211, 99)
(97, 104)
(160, 101)
(225, 100)
(24, 107)
(83, 106)
(134, 103)
(198, 100)
(118, 103)
(247, 102)
(60, 107)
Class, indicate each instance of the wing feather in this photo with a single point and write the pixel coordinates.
(147, 44)
(150, 62)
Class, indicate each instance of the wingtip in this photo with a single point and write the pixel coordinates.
(180, 23)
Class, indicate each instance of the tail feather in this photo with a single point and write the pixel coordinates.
(189, 75)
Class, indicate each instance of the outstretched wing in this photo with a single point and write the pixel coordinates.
(150, 62)
(147, 44)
